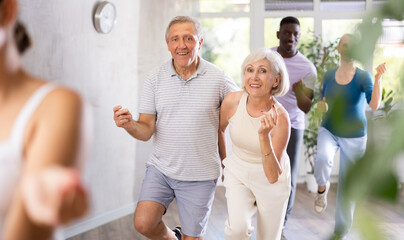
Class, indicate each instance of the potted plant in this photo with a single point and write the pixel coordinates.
(324, 56)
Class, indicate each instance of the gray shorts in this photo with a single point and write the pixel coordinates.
(194, 198)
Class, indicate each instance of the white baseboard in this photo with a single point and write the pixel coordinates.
(99, 220)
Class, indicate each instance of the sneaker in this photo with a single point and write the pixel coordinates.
(178, 232)
(320, 203)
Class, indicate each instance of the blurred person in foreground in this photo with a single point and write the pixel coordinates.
(41, 144)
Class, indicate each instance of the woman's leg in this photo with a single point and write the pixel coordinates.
(324, 160)
(272, 202)
(326, 148)
(351, 149)
(240, 206)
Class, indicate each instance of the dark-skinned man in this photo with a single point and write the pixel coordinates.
(298, 100)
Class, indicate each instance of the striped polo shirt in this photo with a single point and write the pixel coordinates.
(187, 120)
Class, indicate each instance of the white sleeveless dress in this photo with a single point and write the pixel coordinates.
(247, 187)
(11, 150)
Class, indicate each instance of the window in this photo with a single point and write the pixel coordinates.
(288, 5)
(226, 43)
(335, 28)
(390, 49)
(342, 5)
(231, 30)
(224, 6)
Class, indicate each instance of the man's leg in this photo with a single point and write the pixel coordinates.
(155, 197)
(148, 221)
(194, 201)
(293, 150)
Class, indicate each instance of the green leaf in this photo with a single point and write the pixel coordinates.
(386, 187)
(369, 30)
(393, 9)
(368, 225)
(383, 93)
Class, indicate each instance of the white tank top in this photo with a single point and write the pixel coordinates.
(11, 150)
(244, 133)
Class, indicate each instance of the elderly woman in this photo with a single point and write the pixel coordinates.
(257, 171)
(41, 140)
(345, 91)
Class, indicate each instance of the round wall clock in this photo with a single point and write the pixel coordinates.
(104, 17)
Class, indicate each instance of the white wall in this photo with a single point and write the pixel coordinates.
(103, 68)
(107, 69)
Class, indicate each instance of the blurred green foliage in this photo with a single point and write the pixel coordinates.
(374, 175)
(371, 28)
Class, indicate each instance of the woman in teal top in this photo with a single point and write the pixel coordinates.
(349, 120)
(344, 93)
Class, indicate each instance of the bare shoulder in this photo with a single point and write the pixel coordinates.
(56, 123)
(62, 94)
(61, 103)
(233, 98)
(229, 105)
(283, 116)
(63, 97)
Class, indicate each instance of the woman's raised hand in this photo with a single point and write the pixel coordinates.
(268, 121)
(380, 70)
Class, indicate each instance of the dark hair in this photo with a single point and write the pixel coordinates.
(289, 19)
(22, 38)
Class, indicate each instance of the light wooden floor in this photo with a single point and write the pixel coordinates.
(304, 224)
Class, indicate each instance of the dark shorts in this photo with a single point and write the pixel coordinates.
(194, 198)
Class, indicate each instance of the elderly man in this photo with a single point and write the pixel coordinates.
(180, 105)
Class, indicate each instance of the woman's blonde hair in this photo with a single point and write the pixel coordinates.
(278, 67)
